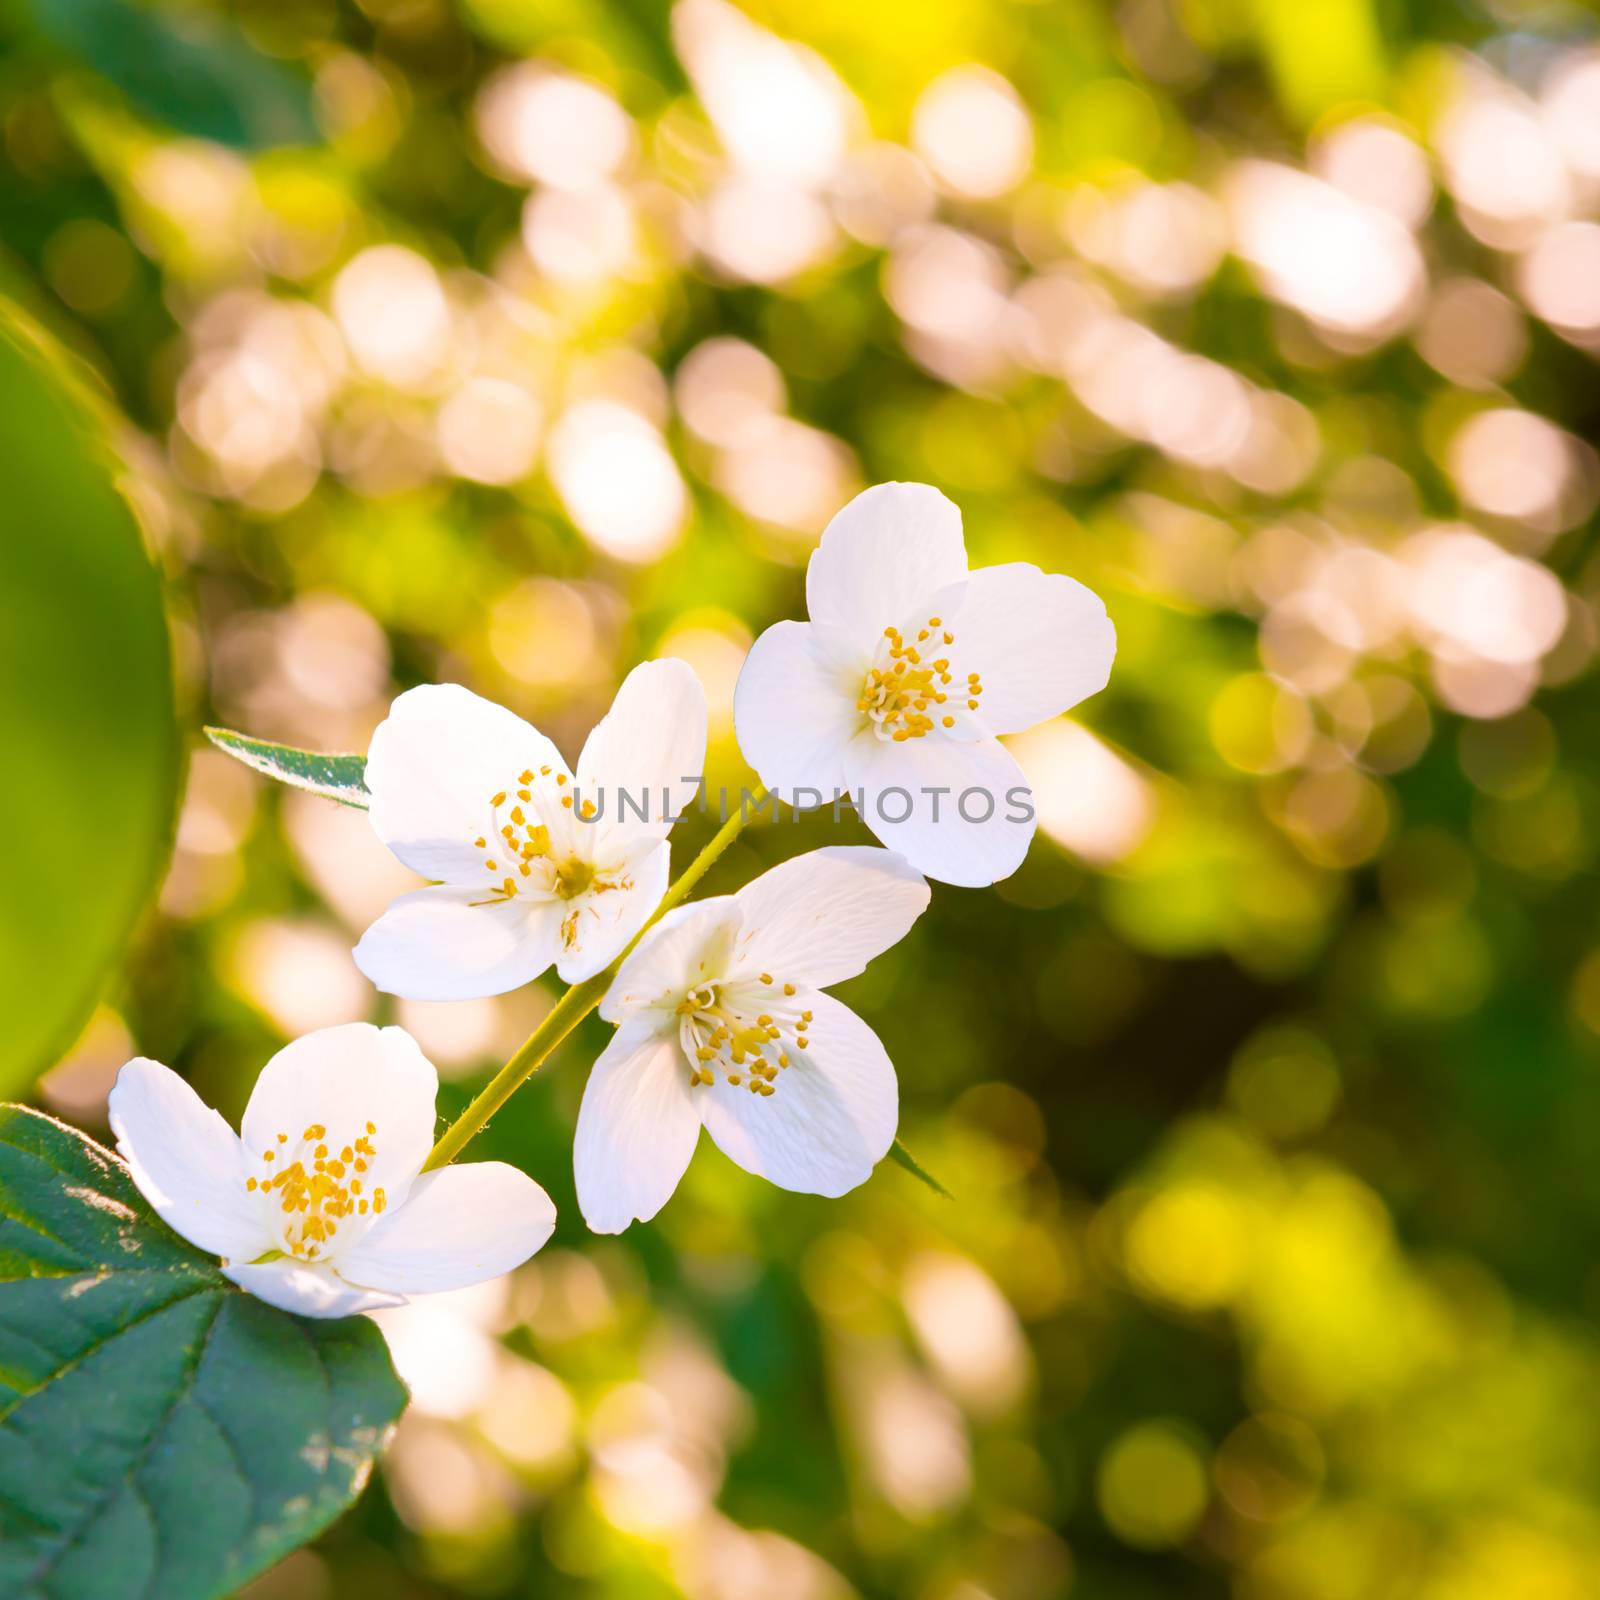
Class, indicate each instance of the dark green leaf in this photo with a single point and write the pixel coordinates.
(162, 1433)
(190, 71)
(86, 711)
(338, 778)
(903, 1157)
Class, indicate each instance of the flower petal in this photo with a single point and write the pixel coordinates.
(891, 549)
(186, 1160)
(594, 928)
(458, 1226)
(794, 709)
(831, 1117)
(444, 943)
(343, 1078)
(307, 1291)
(821, 917)
(1040, 641)
(688, 946)
(637, 1128)
(931, 780)
(652, 739)
(435, 763)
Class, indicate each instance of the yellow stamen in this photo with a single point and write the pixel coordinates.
(312, 1203)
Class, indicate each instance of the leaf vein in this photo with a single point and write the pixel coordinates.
(54, 1558)
(122, 1328)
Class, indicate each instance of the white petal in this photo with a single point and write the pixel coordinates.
(821, 917)
(443, 943)
(935, 836)
(651, 740)
(637, 1128)
(832, 1115)
(689, 946)
(1041, 642)
(458, 1226)
(344, 1078)
(436, 761)
(794, 709)
(595, 927)
(186, 1160)
(307, 1291)
(883, 557)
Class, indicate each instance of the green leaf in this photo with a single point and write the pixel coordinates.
(903, 1157)
(191, 71)
(86, 709)
(340, 778)
(162, 1433)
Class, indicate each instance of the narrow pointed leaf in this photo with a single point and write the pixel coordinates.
(903, 1157)
(162, 1433)
(336, 777)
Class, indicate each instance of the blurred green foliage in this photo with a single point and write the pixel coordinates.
(188, 69)
(1269, 1088)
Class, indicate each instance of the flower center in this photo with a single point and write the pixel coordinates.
(910, 690)
(720, 1032)
(573, 876)
(316, 1189)
(517, 846)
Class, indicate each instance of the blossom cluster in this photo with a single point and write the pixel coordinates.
(902, 682)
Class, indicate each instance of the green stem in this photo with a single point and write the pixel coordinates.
(576, 1003)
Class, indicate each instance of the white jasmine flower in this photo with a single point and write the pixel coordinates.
(319, 1208)
(909, 668)
(468, 794)
(721, 1025)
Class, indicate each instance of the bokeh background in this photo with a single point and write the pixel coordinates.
(513, 342)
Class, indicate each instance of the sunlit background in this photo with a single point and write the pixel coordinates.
(1269, 1089)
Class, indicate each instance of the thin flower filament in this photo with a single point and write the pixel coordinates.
(912, 690)
(519, 856)
(744, 1031)
(313, 1188)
